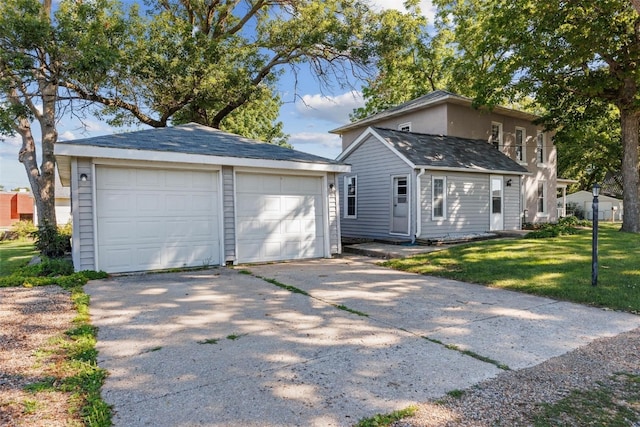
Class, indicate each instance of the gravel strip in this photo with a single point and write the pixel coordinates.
(29, 319)
(512, 397)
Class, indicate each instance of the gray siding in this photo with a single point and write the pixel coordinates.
(86, 260)
(228, 209)
(468, 196)
(512, 204)
(334, 215)
(374, 165)
(467, 204)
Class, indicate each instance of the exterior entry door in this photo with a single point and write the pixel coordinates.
(497, 221)
(400, 205)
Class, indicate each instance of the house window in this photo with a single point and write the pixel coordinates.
(542, 193)
(405, 127)
(351, 195)
(540, 154)
(439, 197)
(496, 134)
(520, 144)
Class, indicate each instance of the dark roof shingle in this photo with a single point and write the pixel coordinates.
(198, 139)
(440, 151)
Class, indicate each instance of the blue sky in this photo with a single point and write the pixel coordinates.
(307, 118)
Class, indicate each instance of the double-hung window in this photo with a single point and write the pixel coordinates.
(496, 134)
(438, 197)
(351, 196)
(542, 193)
(520, 144)
(540, 152)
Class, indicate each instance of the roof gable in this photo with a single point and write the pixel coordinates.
(426, 101)
(448, 153)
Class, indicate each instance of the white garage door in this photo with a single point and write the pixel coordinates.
(154, 219)
(279, 217)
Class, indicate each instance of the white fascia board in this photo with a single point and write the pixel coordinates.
(491, 171)
(73, 150)
(371, 132)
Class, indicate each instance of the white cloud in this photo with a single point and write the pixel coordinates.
(67, 136)
(321, 144)
(10, 145)
(335, 109)
(426, 7)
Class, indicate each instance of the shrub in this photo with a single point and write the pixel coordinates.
(21, 230)
(565, 226)
(50, 241)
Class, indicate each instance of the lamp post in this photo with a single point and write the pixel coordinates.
(594, 245)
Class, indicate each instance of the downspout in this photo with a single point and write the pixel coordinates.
(418, 207)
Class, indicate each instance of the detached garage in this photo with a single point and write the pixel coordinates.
(191, 195)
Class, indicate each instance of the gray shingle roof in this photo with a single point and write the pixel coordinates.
(198, 139)
(440, 151)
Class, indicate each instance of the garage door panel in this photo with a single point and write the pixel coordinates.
(155, 219)
(285, 221)
(115, 203)
(151, 204)
(150, 178)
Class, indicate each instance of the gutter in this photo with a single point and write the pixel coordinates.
(418, 207)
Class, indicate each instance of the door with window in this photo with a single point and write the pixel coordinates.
(400, 205)
(497, 221)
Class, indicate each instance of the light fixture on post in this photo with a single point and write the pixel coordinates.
(84, 177)
(594, 243)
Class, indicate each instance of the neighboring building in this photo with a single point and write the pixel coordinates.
(448, 191)
(609, 208)
(14, 207)
(192, 195)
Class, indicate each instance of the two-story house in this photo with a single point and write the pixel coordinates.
(436, 166)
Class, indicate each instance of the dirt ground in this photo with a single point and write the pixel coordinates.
(32, 321)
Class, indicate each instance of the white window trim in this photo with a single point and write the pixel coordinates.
(403, 125)
(346, 181)
(523, 160)
(541, 147)
(545, 212)
(500, 135)
(444, 198)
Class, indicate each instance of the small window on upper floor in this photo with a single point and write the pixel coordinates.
(405, 127)
(541, 154)
(496, 134)
(520, 144)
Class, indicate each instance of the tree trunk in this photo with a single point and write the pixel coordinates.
(42, 180)
(630, 121)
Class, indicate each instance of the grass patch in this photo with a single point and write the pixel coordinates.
(613, 403)
(209, 341)
(469, 353)
(350, 310)
(381, 420)
(456, 394)
(557, 267)
(234, 337)
(15, 254)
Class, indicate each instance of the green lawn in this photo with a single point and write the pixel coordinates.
(15, 254)
(557, 267)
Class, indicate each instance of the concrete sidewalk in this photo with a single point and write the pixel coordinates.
(222, 348)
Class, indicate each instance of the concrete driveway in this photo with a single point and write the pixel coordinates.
(224, 348)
